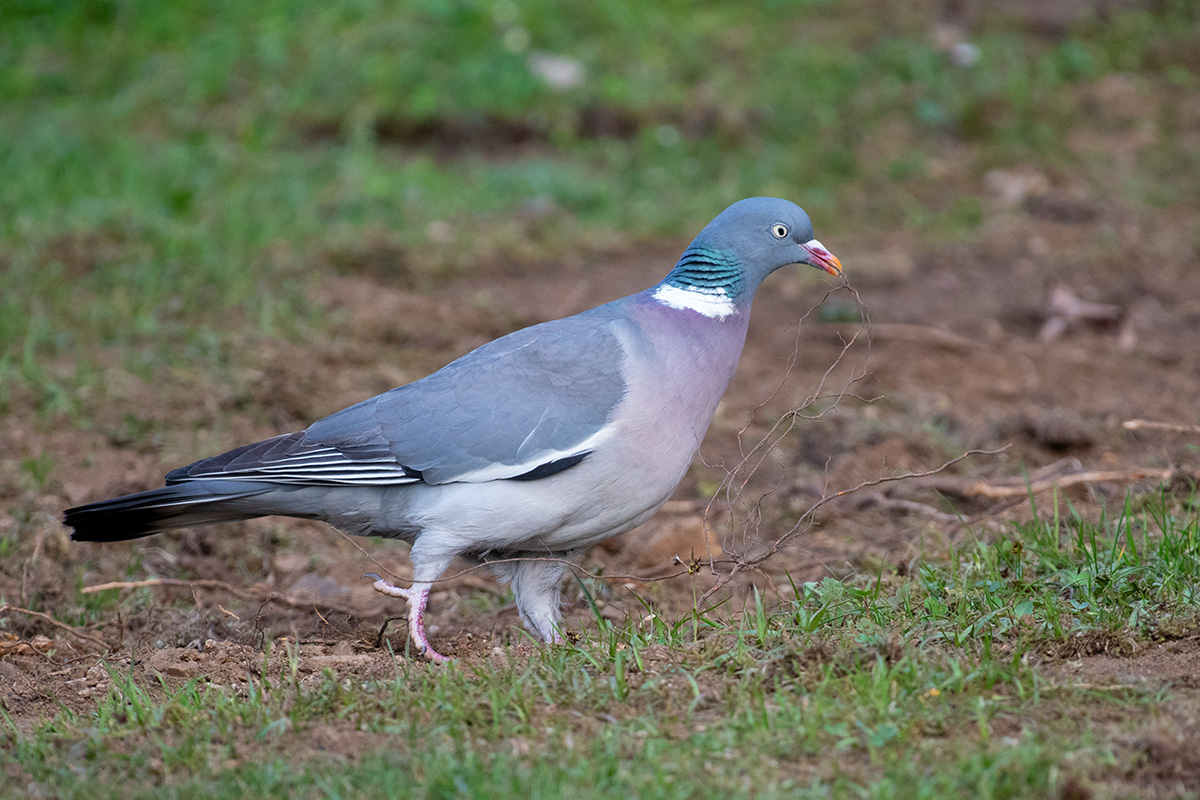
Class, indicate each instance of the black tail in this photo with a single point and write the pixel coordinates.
(179, 506)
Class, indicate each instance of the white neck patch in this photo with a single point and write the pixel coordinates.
(714, 303)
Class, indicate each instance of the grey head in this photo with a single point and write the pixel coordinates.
(744, 244)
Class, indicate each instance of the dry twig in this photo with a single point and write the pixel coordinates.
(926, 334)
(1171, 427)
(228, 588)
(741, 561)
(87, 637)
(737, 479)
(1017, 487)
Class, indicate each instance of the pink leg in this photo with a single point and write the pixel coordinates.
(417, 600)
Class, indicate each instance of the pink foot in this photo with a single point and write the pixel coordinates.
(417, 600)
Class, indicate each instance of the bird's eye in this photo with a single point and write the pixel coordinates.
(779, 230)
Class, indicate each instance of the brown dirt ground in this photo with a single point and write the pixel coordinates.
(954, 361)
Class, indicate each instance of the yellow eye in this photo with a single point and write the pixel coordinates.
(779, 230)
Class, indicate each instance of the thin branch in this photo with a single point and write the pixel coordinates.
(87, 637)
(1146, 424)
(737, 479)
(228, 588)
(926, 334)
(883, 502)
(805, 519)
(969, 487)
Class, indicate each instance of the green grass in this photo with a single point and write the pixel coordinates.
(178, 173)
(938, 683)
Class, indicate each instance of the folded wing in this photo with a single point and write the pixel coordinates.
(522, 407)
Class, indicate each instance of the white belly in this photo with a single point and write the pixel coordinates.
(603, 496)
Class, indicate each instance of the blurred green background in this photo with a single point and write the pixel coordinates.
(175, 173)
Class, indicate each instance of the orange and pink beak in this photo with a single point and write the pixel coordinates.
(821, 258)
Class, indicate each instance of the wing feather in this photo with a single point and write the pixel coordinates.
(524, 406)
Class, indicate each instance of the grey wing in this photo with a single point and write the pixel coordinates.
(521, 407)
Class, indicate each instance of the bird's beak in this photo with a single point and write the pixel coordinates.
(817, 256)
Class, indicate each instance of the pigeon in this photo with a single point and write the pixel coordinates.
(520, 454)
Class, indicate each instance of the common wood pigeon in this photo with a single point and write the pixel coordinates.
(532, 447)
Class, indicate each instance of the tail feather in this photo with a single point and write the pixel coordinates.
(178, 506)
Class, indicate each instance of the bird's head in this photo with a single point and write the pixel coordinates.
(763, 234)
(724, 265)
